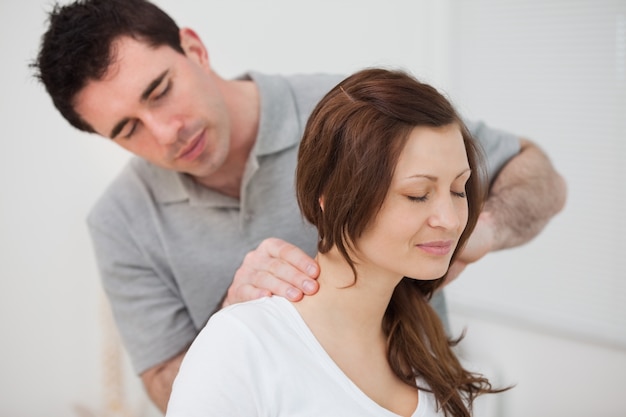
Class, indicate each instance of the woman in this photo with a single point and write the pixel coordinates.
(391, 178)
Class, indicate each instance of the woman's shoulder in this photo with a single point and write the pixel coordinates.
(265, 313)
(264, 307)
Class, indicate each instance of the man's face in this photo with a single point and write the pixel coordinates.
(161, 105)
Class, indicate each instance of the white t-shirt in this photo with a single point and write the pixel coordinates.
(260, 359)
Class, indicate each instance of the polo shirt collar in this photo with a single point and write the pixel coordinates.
(279, 124)
(279, 129)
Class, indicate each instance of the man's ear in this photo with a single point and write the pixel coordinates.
(193, 47)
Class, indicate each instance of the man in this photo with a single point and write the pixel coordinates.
(206, 215)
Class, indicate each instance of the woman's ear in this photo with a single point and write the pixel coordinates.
(321, 202)
(193, 47)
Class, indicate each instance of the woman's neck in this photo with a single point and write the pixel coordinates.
(346, 309)
(346, 318)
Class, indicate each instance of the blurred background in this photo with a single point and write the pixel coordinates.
(549, 317)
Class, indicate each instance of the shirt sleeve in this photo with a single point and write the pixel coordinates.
(498, 146)
(149, 312)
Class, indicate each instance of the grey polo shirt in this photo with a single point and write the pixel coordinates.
(168, 248)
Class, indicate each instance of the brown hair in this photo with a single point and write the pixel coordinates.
(350, 148)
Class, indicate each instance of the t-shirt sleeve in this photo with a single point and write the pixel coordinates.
(216, 377)
(149, 312)
(498, 146)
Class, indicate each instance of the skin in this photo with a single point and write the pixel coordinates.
(525, 195)
(414, 234)
(176, 112)
(441, 212)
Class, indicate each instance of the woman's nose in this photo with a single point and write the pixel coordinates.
(445, 214)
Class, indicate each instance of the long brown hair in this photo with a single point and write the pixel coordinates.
(348, 154)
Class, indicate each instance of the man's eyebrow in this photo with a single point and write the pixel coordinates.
(154, 84)
(144, 96)
(118, 127)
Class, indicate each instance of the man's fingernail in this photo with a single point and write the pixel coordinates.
(292, 293)
(311, 270)
(308, 286)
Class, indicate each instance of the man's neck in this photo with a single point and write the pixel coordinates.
(243, 105)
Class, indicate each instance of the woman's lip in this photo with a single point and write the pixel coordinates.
(436, 248)
(194, 149)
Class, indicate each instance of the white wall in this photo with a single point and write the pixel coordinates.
(56, 340)
(50, 353)
(551, 316)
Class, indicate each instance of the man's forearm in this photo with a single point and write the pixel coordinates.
(158, 381)
(525, 195)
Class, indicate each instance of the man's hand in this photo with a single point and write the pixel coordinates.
(480, 243)
(274, 268)
(523, 198)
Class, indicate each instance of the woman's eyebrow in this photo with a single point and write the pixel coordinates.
(434, 178)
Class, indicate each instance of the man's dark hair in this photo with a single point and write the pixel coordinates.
(77, 47)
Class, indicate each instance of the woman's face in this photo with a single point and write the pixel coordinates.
(425, 210)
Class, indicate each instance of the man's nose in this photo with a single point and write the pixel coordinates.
(164, 128)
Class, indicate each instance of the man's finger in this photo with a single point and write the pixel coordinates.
(291, 255)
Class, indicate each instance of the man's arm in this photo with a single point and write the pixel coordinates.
(159, 379)
(527, 193)
(524, 196)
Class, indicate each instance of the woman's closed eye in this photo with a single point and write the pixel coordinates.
(424, 197)
(418, 198)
